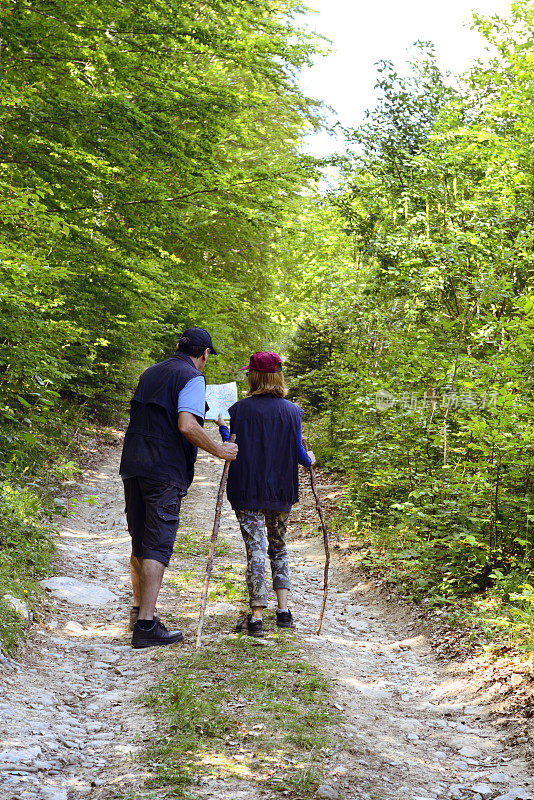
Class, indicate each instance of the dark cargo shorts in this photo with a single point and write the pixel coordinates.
(152, 513)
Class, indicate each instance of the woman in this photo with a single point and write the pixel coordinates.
(263, 482)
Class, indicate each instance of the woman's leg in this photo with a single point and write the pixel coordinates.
(276, 523)
(253, 532)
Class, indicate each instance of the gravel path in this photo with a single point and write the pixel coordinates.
(70, 724)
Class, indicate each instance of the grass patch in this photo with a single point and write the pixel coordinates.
(190, 542)
(244, 711)
(26, 550)
(227, 583)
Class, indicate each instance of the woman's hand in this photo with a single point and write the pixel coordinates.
(220, 420)
(312, 456)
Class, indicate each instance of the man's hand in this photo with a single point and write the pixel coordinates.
(220, 420)
(229, 451)
(311, 454)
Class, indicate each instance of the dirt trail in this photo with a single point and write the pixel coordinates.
(70, 724)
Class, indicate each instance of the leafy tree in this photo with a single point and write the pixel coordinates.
(436, 202)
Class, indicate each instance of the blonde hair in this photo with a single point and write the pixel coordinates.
(266, 383)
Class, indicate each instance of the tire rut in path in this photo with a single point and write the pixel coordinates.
(70, 724)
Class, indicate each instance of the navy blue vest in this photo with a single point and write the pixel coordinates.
(265, 472)
(153, 445)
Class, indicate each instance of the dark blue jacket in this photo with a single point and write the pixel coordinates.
(265, 472)
(153, 445)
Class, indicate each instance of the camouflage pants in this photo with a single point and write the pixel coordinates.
(253, 526)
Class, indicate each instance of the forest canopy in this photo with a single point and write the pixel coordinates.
(148, 152)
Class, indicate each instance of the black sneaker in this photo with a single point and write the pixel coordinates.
(250, 626)
(134, 614)
(284, 619)
(156, 636)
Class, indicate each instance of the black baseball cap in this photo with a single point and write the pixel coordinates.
(197, 337)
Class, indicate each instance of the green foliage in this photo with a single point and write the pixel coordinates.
(422, 372)
(148, 150)
(25, 552)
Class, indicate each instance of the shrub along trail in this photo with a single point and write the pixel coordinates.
(239, 718)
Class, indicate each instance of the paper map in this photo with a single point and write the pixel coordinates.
(219, 397)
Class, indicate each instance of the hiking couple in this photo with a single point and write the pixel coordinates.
(157, 467)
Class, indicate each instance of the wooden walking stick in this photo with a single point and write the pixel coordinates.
(213, 543)
(326, 541)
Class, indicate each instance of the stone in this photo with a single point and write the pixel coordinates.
(460, 765)
(515, 794)
(473, 711)
(220, 608)
(327, 792)
(516, 679)
(53, 793)
(353, 609)
(20, 756)
(18, 605)
(469, 752)
(74, 627)
(483, 789)
(499, 777)
(42, 765)
(108, 656)
(44, 699)
(74, 591)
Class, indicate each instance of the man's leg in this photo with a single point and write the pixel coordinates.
(162, 511)
(151, 577)
(135, 516)
(162, 504)
(135, 570)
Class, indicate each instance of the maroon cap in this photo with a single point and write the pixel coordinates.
(265, 362)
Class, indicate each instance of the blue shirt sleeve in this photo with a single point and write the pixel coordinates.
(225, 432)
(192, 398)
(303, 456)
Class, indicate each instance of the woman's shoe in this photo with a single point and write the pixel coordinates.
(284, 619)
(250, 626)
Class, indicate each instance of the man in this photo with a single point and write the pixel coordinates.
(157, 467)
